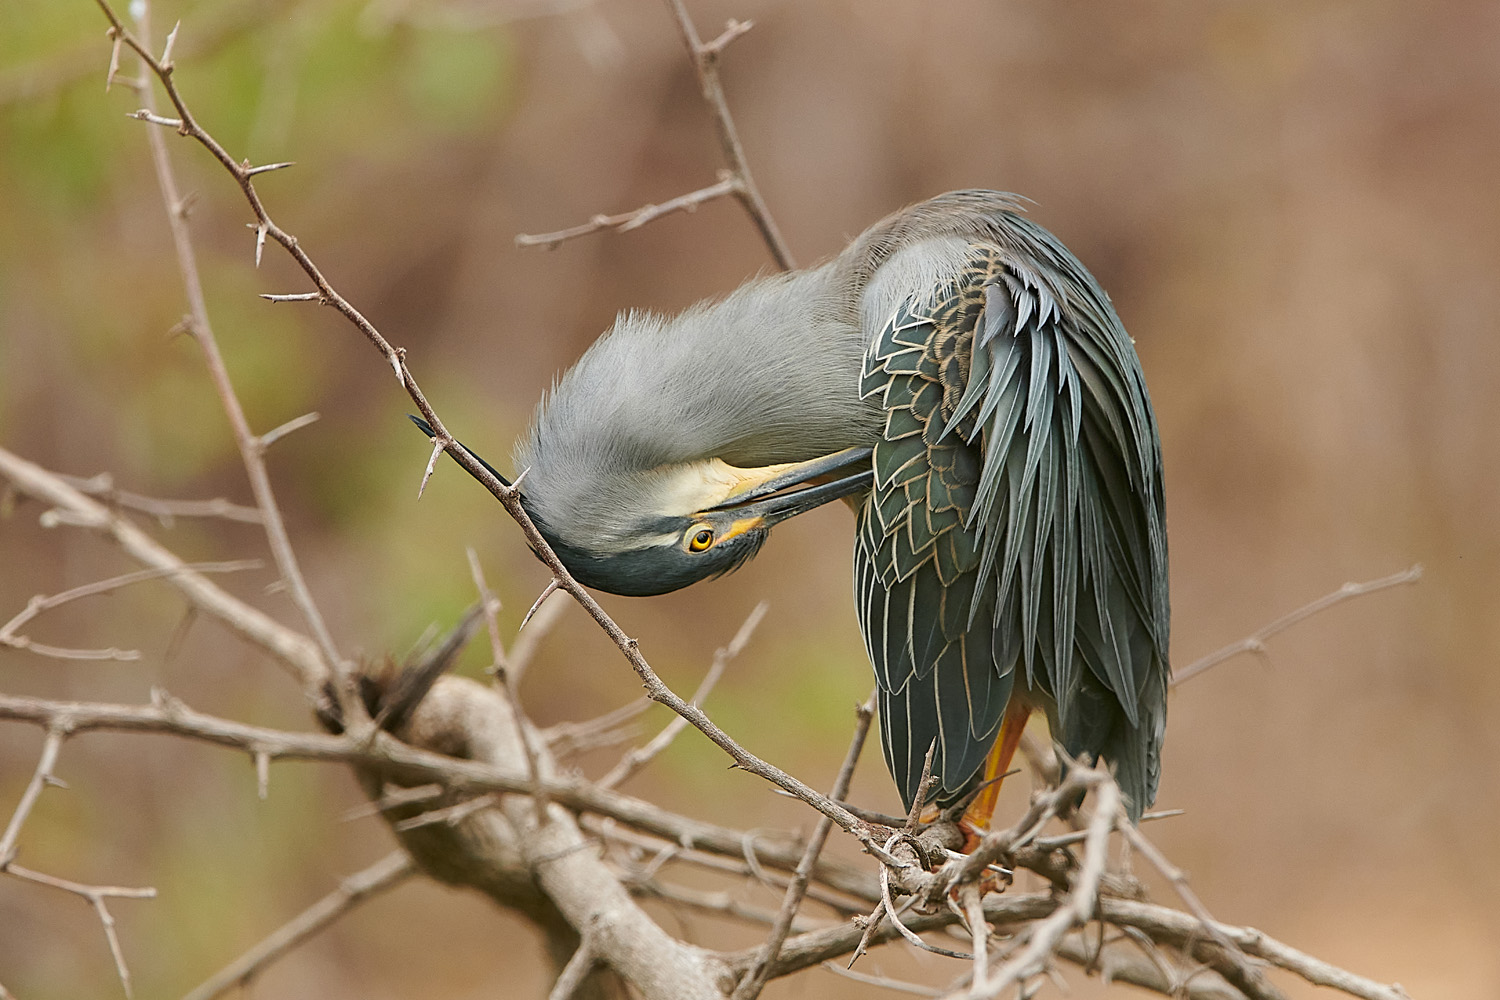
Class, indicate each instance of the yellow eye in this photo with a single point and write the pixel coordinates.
(701, 539)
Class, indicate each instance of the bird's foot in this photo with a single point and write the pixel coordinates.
(995, 877)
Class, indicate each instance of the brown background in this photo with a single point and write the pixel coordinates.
(1294, 210)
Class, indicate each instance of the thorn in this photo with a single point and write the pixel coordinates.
(270, 437)
(166, 51)
(268, 167)
(114, 58)
(146, 116)
(437, 449)
(732, 30)
(262, 769)
(547, 592)
(260, 242)
(296, 297)
(395, 360)
(516, 483)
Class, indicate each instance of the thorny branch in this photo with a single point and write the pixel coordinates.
(705, 56)
(636, 759)
(735, 179)
(252, 448)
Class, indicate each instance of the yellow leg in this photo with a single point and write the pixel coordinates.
(977, 817)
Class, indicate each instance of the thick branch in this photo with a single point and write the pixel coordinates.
(413, 765)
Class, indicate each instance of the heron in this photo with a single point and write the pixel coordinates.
(960, 379)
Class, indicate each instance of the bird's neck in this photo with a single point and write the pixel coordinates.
(791, 351)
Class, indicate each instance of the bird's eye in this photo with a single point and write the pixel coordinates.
(701, 539)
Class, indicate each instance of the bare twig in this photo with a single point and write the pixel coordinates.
(419, 766)
(275, 434)
(884, 982)
(164, 511)
(734, 180)
(1255, 642)
(392, 797)
(755, 980)
(626, 221)
(803, 950)
(972, 897)
(287, 647)
(641, 756)
(451, 815)
(580, 964)
(1049, 933)
(890, 909)
(489, 605)
(1243, 973)
(856, 887)
(924, 785)
(720, 903)
(40, 603)
(389, 871)
(95, 895)
(536, 605)
(1079, 836)
(706, 63)
(509, 682)
(609, 729)
(40, 779)
(1179, 928)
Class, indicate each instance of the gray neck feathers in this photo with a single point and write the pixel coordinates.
(769, 374)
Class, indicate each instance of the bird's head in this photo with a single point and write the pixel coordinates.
(666, 454)
(644, 532)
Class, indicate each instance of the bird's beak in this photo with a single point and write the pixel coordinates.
(778, 492)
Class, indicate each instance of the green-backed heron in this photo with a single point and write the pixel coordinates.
(963, 381)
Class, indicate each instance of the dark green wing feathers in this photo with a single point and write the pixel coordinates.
(1015, 536)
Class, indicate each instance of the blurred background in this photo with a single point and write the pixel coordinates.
(1293, 208)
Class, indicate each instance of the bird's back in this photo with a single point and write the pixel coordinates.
(1014, 542)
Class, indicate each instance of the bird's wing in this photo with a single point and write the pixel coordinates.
(1015, 530)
